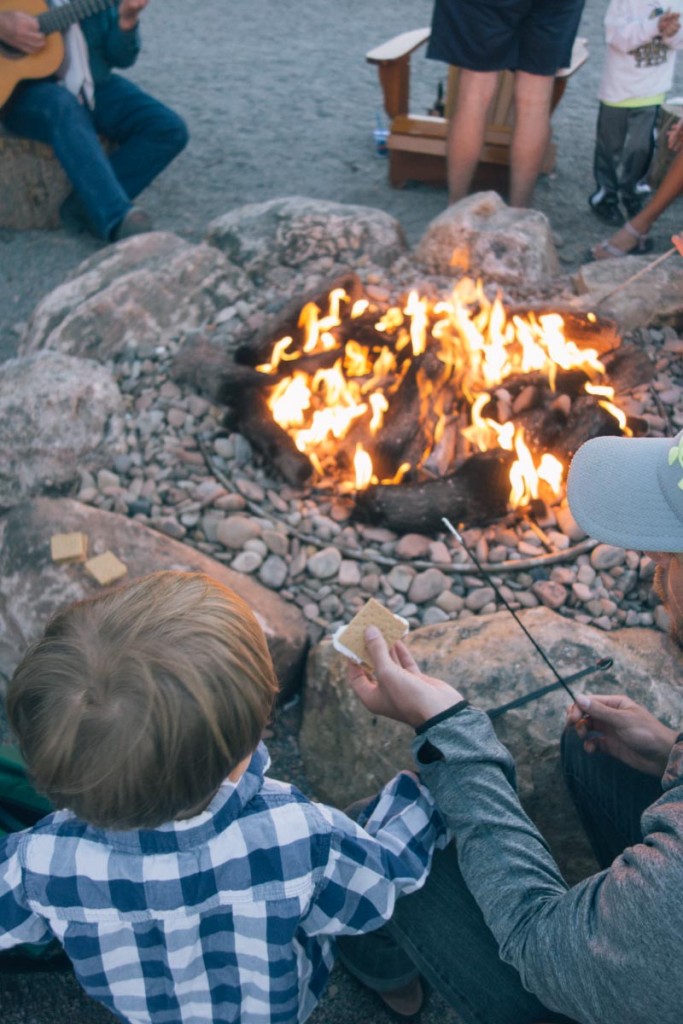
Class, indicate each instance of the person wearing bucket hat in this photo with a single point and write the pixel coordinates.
(496, 930)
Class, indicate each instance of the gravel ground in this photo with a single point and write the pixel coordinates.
(286, 106)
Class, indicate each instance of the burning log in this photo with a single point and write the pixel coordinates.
(587, 330)
(234, 378)
(406, 428)
(476, 493)
(286, 324)
(252, 417)
(586, 419)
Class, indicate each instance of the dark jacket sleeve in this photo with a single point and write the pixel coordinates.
(602, 952)
(108, 46)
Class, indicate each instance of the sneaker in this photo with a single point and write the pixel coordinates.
(404, 1004)
(606, 207)
(136, 222)
(634, 204)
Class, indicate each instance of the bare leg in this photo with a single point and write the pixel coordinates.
(670, 188)
(466, 129)
(531, 134)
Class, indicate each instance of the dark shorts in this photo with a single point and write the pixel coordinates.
(492, 35)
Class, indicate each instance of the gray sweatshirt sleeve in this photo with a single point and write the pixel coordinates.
(606, 950)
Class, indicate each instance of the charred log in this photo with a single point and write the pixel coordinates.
(476, 493)
(252, 417)
(258, 348)
(234, 378)
(586, 419)
(628, 367)
(405, 429)
(587, 330)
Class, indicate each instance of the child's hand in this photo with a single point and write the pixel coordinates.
(669, 24)
(399, 690)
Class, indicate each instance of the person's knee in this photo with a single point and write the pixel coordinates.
(533, 94)
(178, 134)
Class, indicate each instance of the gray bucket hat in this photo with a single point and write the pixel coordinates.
(629, 491)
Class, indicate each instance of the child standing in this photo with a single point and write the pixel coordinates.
(182, 883)
(641, 40)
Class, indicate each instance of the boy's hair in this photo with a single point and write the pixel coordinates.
(134, 706)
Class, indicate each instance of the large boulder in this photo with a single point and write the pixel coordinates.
(348, 753)
(135, 294)
(33, 587)
(655, 299)
(278, 240)
(58, 415)
(483, 237)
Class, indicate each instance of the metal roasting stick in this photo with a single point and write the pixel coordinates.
(604, 663)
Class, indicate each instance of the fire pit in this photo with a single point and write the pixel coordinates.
(426, 408)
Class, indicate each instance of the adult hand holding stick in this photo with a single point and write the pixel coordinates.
(616, 725)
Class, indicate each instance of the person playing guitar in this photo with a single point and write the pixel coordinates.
(57, 86)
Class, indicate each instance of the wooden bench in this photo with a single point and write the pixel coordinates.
(32, 184)
(417, 144)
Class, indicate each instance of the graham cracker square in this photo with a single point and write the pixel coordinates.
(69, 547)
(350, 640)
(106, 568)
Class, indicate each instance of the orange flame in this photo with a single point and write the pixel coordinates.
(476, 346)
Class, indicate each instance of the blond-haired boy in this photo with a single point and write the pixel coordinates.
(183, 884)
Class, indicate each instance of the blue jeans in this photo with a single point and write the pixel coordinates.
(147, 136)
(440, 932)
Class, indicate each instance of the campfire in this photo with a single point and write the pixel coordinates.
(452, 407)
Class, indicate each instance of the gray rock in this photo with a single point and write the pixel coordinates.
(273, 572)
(427, 585)
(655, 299)
(552, 595)
(569, 525)
(234, 531)
(58, 416)
(349, 753)
(282, 237)
(482, 237)
(325, 563)
(606, 556)
(247, 561)
(32, 587)
(476, 600)
(413, 545)
(400, 577)
(132, 295)
(349, 573)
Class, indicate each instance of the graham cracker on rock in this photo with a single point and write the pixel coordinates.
(106, 568)
(69, 547)
(350, 640)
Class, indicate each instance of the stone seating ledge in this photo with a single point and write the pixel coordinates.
(32, 184)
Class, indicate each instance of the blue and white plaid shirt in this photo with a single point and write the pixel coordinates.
(225, 917)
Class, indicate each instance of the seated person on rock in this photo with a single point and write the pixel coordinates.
(496, 929)
(85, 100)
(182, 882)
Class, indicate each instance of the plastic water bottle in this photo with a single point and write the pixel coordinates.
(380, 135)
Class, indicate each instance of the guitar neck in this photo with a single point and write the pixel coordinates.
(58, 19)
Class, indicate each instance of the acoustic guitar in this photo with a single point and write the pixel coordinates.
(15, 65)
